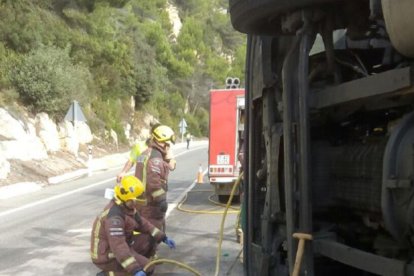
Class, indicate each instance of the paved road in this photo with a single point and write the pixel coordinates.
(48, 232)
(197, 237)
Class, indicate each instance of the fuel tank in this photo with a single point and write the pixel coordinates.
(373, 177)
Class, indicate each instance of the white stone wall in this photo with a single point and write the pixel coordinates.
(32, 138)
(10, 127)
(4, 168)
(47, 132)
(28, 138)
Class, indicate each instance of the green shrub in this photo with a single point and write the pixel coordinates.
(202, 117)
(7, 58)
(8, 97)
(110, 113)
(193, 125)
(52, 52)
(47, 81)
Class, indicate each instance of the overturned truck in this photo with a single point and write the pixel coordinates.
(330, 135)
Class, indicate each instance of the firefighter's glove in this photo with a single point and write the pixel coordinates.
(169, 242)
(141, 273)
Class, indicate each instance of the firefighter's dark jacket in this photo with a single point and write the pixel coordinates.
(152, 169)
(112, 235)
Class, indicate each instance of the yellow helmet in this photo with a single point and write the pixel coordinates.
(163, 133)
(130, 188)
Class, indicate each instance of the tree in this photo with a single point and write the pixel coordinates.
(47, 81)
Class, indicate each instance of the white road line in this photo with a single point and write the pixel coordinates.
(46, 200)
(173, 205)
(83, 230)
(30, 205)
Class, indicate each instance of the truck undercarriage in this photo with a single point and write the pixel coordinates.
(330, 137)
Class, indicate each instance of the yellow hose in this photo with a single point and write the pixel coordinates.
(225, 212)
(179, 207)
(161, 261)
(235, 185)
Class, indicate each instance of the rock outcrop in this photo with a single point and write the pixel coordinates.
(174, 19)
(35, 147)
(28, 138)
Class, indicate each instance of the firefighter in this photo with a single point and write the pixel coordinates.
(115, 244)
(153, 167)
(137, 150)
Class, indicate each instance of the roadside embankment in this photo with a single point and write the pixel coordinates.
(88, 167)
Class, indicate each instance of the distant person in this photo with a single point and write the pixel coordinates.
(188, 137)
(115, 244)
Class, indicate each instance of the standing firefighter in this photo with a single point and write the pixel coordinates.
(115, 244)
(153, 167)
(137, 150)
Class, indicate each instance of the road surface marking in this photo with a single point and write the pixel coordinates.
(46, 200)
(173, 205)
(36, 203)
(83, 230)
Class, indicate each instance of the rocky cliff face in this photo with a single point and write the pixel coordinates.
(36, 148)
(174, 19)
(25, 140)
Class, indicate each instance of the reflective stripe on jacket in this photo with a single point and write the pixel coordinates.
(153, 171)
(112, 233)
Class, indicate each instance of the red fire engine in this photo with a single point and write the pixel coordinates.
(226, 137)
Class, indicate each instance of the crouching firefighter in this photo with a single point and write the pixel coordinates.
(115, 246)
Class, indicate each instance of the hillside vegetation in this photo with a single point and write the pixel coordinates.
(103, 52)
